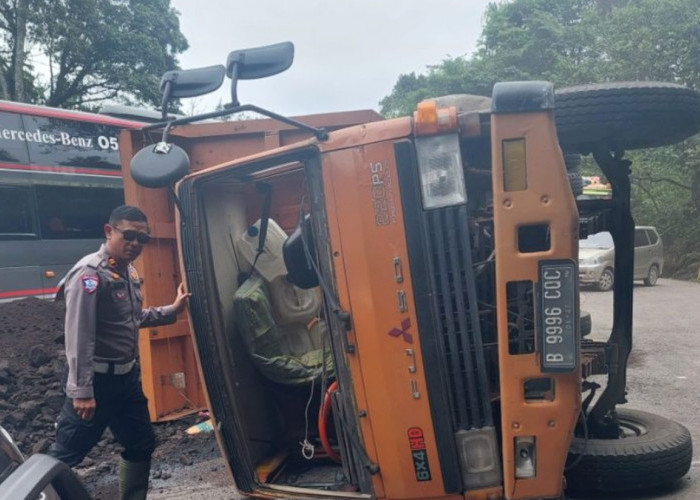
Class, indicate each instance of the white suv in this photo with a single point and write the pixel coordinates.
(596, 258)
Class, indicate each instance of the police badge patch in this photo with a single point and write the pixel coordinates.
(90, 282)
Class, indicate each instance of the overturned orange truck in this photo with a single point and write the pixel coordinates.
(391, 310)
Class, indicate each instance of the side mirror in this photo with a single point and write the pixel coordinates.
(260, 62)
(160, 165)
(190, 83)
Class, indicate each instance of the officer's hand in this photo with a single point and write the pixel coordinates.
(85, 407)
(181, 299)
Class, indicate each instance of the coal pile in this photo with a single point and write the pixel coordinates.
(32, 361)
(31, 364)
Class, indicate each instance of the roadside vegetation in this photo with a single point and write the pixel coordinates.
(570, 42)
(78, 53)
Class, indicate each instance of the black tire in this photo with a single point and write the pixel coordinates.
(585, 323)
(655, 451)
(625, 115)
(606, 280)
(572, 162)
(576, 183)
(652, 275)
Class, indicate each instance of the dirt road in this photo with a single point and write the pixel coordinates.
(662, 378)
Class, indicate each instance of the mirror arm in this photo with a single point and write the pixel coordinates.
(320, 133)
(166, 131)
(167, 90)
(234, 86)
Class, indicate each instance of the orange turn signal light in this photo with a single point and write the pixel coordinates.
(429, 119)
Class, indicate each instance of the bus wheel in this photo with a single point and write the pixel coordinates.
(625, 115)
(652, 451)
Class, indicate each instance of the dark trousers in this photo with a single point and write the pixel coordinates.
(121, 406)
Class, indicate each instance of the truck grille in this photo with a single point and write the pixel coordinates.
(456, 315)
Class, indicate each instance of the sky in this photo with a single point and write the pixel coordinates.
(348, 54)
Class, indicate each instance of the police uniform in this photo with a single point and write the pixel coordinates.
(103, 317)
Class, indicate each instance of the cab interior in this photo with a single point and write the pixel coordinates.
(269, 336)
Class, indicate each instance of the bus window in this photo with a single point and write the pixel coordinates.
(86, 146)
(17, 221)
(13, 148)
(75, 212)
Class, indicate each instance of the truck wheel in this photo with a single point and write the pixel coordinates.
(652, 276)
(625, 115)
(585, 323)
(572, 162)
(576, 183)
(652, 451)
(606, 280)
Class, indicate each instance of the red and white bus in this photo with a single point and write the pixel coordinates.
(60, 177)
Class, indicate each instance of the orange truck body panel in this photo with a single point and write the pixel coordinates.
(170, 378)
(388, 384)
(547, 200)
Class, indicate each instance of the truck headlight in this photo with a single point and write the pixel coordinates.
(441, 173)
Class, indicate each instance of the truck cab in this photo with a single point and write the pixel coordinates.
(391, 310)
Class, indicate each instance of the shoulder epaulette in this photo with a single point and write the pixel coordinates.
(94, 260)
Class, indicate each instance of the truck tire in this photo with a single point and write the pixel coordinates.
(576, 183)
(585, 323)
(572, 162)
(625, 115)
(654, 451)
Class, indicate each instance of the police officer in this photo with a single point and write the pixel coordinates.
(103, 316)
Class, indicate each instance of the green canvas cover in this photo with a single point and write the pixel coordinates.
(290, 354)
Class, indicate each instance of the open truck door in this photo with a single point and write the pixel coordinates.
(170, 375)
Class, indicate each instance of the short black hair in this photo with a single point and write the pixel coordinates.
(127, 212)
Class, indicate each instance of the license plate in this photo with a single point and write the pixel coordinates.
(557, 327)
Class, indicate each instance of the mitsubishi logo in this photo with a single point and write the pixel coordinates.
(403, 332)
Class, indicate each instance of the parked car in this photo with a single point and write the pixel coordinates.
(40, 477)
(596, 258)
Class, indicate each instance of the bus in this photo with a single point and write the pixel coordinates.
(60, 177)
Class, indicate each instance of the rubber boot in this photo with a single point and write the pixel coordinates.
(133, 479)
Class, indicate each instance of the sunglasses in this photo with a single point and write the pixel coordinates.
(131, 235)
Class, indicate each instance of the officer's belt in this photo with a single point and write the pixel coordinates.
(110, 368)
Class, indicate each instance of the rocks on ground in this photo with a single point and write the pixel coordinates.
(32, 361)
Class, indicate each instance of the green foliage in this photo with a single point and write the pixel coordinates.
(453, 76)
(665, 189)
(521, 40)
(652, 40)
(96, 49)
(570, 42)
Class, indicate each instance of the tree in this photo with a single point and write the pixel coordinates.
(16, 80)
(453, 76)
(520, 40)
(94, 50)
(570, 42)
